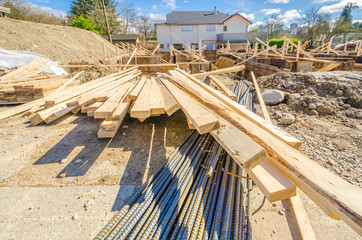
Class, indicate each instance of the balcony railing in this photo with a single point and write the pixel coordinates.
(240, 37)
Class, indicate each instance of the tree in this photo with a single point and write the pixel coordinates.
(92, 11)
(273, 25)
(346, 14)
(316, 27)
(28, 12)
(145, 26)
(87, 24)
(128, 17)
(82, 7)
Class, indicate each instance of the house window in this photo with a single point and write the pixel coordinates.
(225, 28)
(210, 28)
(186, 28)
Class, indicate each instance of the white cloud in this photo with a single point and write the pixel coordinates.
(169, 4)
(271, 11)
(290, 15)
(278, 1)
(324, 1)
(157, 17)
(250, 16)
(256, 25)
(337, 6)
(56, 13)
(154, 7)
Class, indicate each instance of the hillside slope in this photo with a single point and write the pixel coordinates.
(59, 43)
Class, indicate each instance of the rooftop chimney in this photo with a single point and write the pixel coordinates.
(215, 10)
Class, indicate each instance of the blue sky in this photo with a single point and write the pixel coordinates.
(256, 11)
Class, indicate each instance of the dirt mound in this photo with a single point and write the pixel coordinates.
(324, 111)
(329, 93)
(59, 43)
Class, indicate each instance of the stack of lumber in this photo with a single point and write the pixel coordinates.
(28, 83)
(104, 94)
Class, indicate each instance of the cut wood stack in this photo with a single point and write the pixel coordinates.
(26, 83)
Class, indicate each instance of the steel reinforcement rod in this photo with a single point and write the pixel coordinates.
(198, 193)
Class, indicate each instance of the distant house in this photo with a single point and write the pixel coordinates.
(117, 38)
(4, 11)
(211, 27)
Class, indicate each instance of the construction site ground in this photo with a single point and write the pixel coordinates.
(59, 181)
(37, 203)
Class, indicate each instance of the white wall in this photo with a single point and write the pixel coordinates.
(209, 35)
(236, 24)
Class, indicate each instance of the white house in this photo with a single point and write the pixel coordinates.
(211, 27)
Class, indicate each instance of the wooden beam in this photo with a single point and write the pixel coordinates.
(260, 98)
(238, 145)
(298, 47)
(330, 66)
(331, 193)
(188, 81)
(272, 183)
(154, 51)
(203, 121)
(108, 107)
(136, 90)
(298, 220)
(220, 71)
(157, 105)
(169, 102)
(141, 107)
(222, 87)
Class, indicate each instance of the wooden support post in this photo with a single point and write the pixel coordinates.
(299, 224)
(255, 48)
(260, 98)
(345, 47)
(104, 53)
(200, 49)
(297, 56)
(359, 48)
(329, 45)
(283, 49)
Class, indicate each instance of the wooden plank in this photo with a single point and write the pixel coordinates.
(330, 66)
(115, 123)
(136, 90)
(260, 98)
(141, 107)
(170, 104)
(84, 88)
(239, 146)
(157, 105)
(203, 121)
(108, 107)
(298, 220)
(272, 183)
(88, 96)
(194, 85)
(332, 194)
(222, 87)
(23, 69)
(58, 114)
(93, 107)
(220, 71)
(299, 49)
(61, 88)
(19, 109)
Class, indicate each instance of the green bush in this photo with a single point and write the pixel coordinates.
(87, 24)
(279, 42)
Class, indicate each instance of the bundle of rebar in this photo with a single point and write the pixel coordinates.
(199, 193)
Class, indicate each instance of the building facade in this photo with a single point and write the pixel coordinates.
(211, 27)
